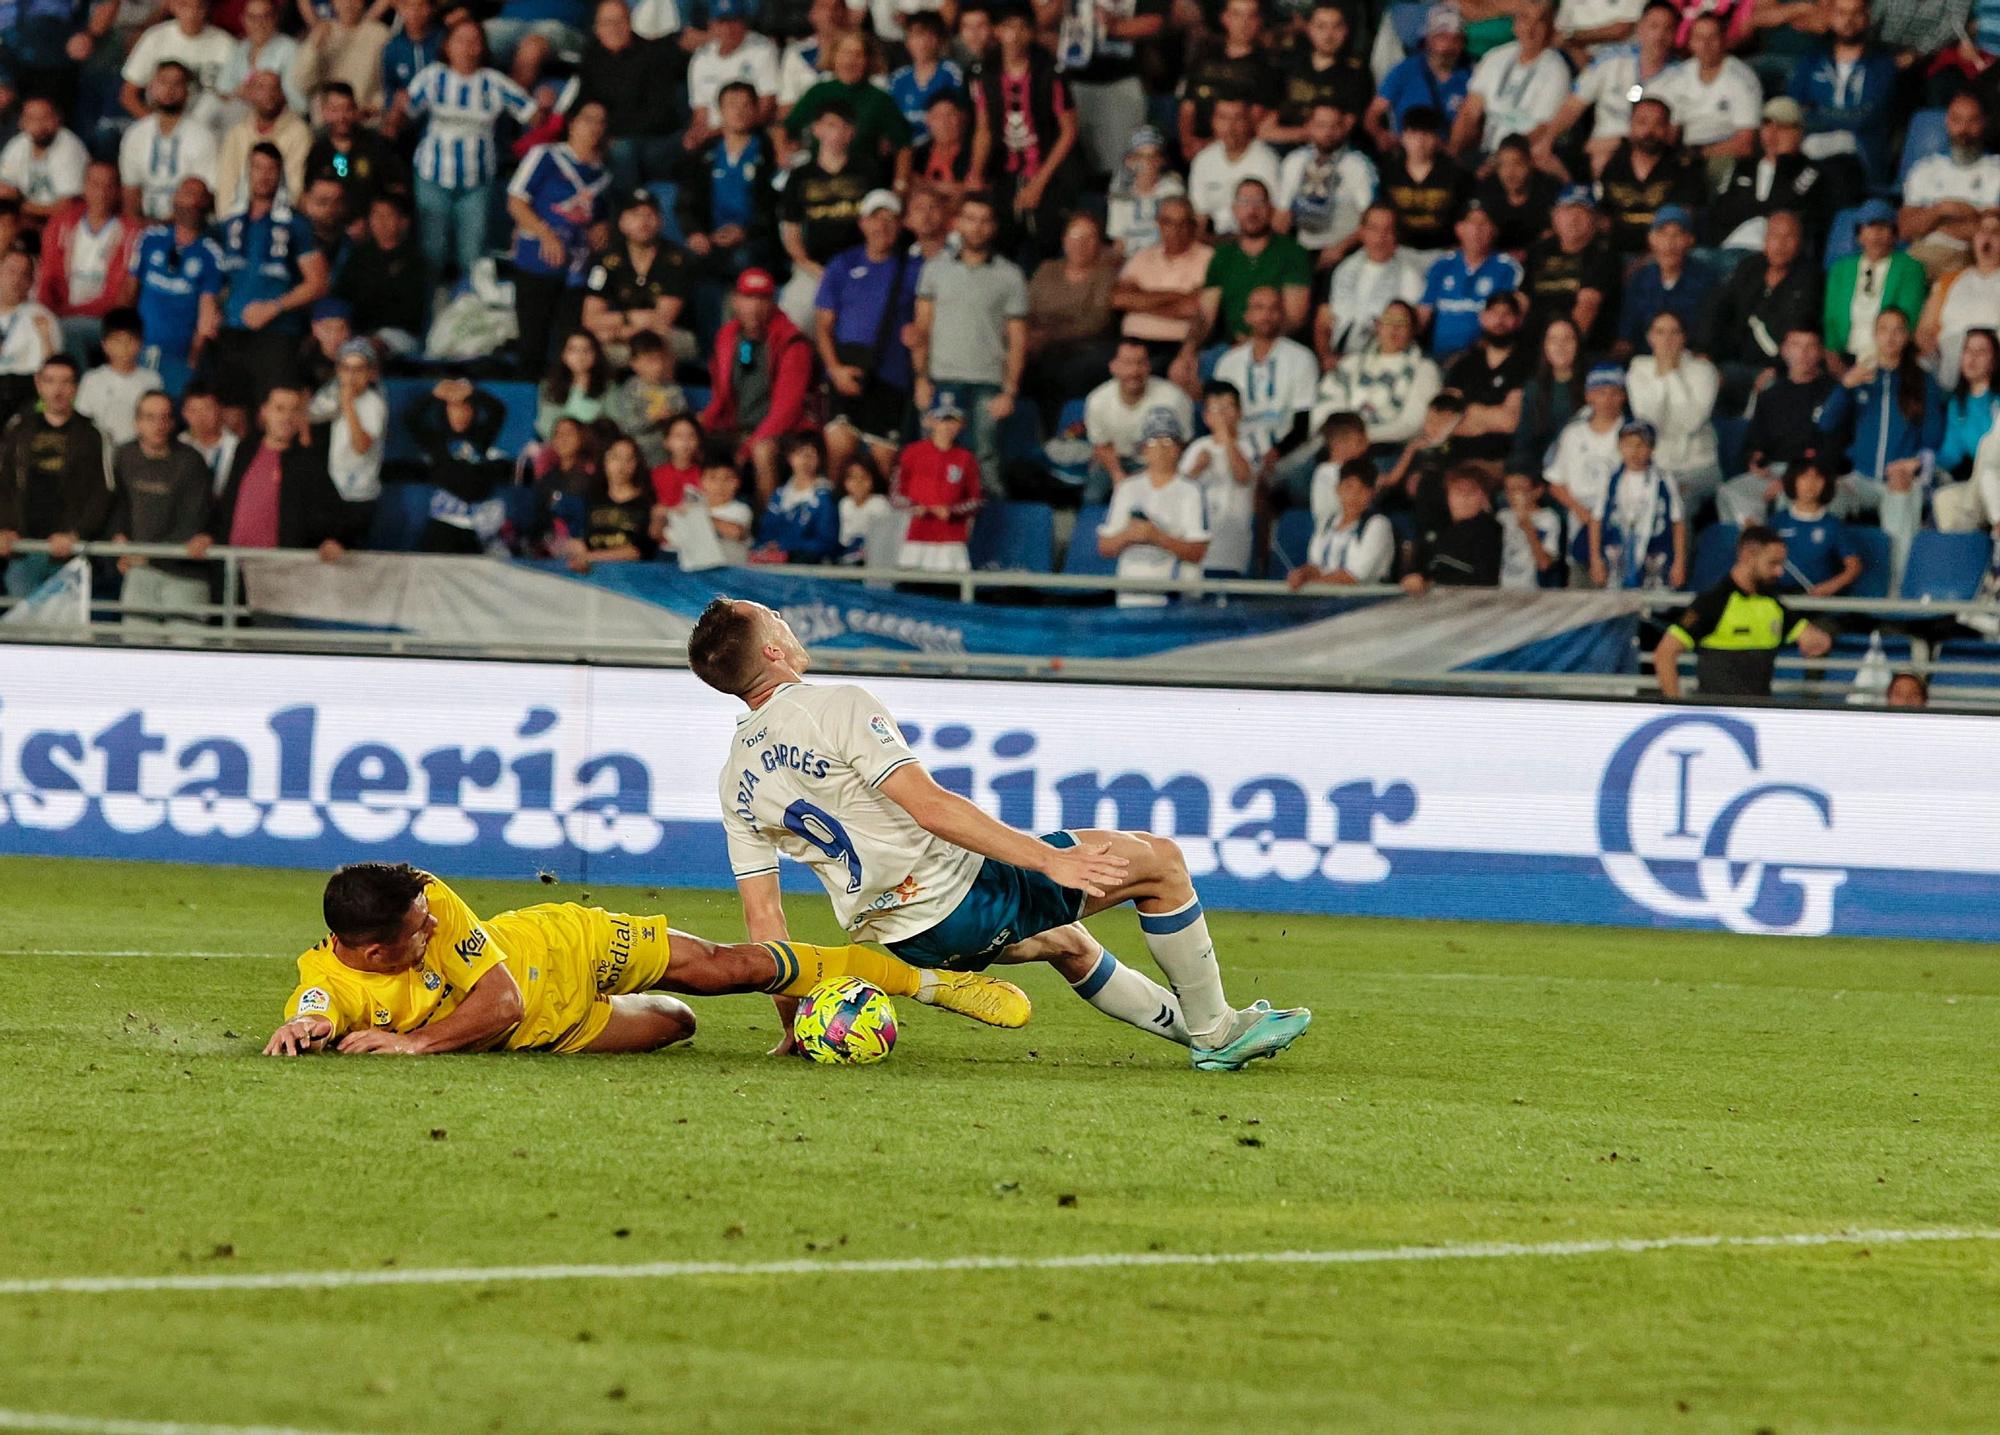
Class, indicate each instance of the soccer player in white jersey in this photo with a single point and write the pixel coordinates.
(820, 773)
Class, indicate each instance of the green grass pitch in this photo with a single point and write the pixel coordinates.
(1461, 1083)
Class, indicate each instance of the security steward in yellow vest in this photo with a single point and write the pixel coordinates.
(1737, 627)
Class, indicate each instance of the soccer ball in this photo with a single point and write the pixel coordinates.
(845, 1022)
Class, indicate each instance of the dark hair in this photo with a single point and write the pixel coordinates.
(1361, 468)
(556, 382)
(735, 86)
(1666, 5)
(124, 321)
(186, 73)
(1516, 142)
(865, 461)
(646, 342)
(1809, 463)
(1757, 535)
(393, 199)
(368, 901)
(155, 394)
(981, 198)
(926, 20)
(809, 439)
(1981, 331)
(722, 647)
(1220, 389)
(338, 87)
(61, 361)
(601, 482)
(1423, 119)
(1347, 423)
(675, 421)
(267, 150)
(1910, 393)
(837, 109)
(199, 389)
(1579, 371)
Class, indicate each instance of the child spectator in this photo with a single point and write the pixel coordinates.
(109, 394)
(618, 521)
(731, 516)
(566, 473)
(802, 523)
(641, 406)
(680, 470)
(1134, 215)
(1820, 558)
(1226, 463)
(1157, 526)
(1639, 536)
(937, 479)
(1459, 547)
(575, 385)
(456, 429)
(357, 417)
(1353, 545)
(865, 509)
(1532, 534)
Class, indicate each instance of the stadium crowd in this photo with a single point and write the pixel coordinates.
(1497, 292)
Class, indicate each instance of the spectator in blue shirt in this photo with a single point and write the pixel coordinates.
(727, 207)
(176, 280)
(1670, 282)
(867, 297)
(928, 75)
(557, 203)
(1820, 556)
(1460, 283)
(1847, 89)
(802, 523)
(274, 274)
(418, 41)
(1436, 77)
(1892, 414)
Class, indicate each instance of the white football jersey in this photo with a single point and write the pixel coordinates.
(803, 778)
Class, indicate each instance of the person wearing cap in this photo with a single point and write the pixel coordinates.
(1424, 185)
(1101, 63)
(1133, 216)
(1572, 272)
(1157, 524)
(1363, 284)
(1638, 535)
(762, 372)
(1944, 193)
(971, 334)
(1717, 100)
(1670, 281)
(1646, 173)
(1459, 284)
(1586, 454)
(1240, 67)
(1780, 177)
(1322, 71)
(109, 394)
(881, 134)
(1848, 91)
(1608, 86)
(1860, 286)
(929, 75)
(1736, 628)
(356, 419)
(728, 208)
(176, 284)
(1024, 144)
(819, 212)
(275, 274)
(638, 284)
(866, 302)
(1434, 78)
(732, 54)
(937, 484)
(1515, 88)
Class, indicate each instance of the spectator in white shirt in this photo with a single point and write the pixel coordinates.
(164, 148)
(109, 394)
(1157, 525)
(1277, 377)
(44, 163)
(731, 54)
(1610, 85)
(1674, 391)
(1116, 410)
(205, 50)
(1515, 88)
(1364, 284)
(1942, 197)
(1587, 453)
(1588, 28)
(1323, 187)
(357, 415)
(1229, 464)
(1220, 167)
(1716, 99)
(1964, 300)
(1351, 545)
(263, 47)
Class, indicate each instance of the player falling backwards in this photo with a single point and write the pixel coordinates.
(821, 774)
(406, 967)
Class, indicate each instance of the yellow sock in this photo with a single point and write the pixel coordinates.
(801, 967)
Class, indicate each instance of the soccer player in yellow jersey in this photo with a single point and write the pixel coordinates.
(407, 967)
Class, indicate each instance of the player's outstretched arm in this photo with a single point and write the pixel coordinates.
(300, 1035)
(491, 1009)
(1089, 869)
(764, 920)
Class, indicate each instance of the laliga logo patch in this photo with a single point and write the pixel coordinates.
(1660, 781)
(312, 1000)
(884, 734)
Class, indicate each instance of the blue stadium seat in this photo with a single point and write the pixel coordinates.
(1969, 650)
(1924, 138)
(1874, 546)
(1840, 240)
(1732, 439)
(400, 517)
(1015, 535)
(1071, 417)
(1292, 537)
(1083, 556)
(1947, 566)
(1714, 555)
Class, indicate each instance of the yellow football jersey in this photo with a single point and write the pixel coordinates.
(568, 960)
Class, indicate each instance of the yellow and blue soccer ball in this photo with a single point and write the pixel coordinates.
(845, 1022)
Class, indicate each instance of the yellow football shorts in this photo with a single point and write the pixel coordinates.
(587, 956)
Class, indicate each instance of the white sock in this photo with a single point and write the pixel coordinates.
(1180, 943)
(1134, 998)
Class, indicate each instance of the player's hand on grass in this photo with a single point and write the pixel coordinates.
(393, 1043)
(299, 1036)
(1090, 869)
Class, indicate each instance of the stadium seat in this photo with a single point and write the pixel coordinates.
(1714, 555)
(400, 516)
(1874, 546)
(1292, 538)
(1014, 536)
(1924, 138)
(1947, 566)
(1071, 417)
(1083, 556)
(1732, 437)
(1840, 240)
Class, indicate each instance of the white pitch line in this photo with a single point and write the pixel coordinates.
(59, 952)
(85, 1425)
(913, 1265)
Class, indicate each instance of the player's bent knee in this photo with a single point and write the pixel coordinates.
(646, 1021)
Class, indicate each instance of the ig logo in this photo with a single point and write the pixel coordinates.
(1687, 824)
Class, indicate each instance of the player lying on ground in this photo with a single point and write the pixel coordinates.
(406, 967)
(821, 774)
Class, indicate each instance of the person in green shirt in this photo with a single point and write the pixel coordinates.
(880, 131)
(1255, 257)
